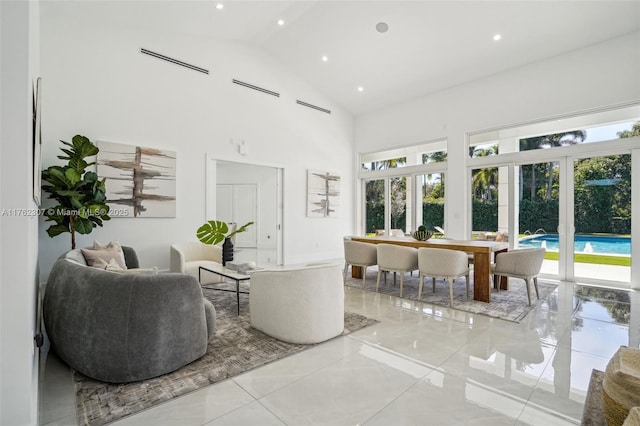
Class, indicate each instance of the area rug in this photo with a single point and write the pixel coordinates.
(235, 349)
(593, 412)
(510, 305)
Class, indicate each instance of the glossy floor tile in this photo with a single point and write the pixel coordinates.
(421, 364)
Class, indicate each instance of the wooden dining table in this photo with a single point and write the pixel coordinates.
(482, 252)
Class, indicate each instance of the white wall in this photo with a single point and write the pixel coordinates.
(18, 231)
(100, 85)
(601, 75)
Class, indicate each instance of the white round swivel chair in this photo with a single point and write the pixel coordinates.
(302, 305)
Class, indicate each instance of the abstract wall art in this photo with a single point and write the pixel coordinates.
(139, 179)
(323, 194)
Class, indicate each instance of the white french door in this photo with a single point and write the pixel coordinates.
(593, 205)
(581, 178)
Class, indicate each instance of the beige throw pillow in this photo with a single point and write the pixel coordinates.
(101, 258)
(113, 245)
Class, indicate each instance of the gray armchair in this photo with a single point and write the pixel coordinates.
(119, 328)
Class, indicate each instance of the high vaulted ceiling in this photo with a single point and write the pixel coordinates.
(429, 45)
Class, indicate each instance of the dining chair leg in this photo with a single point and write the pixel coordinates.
(394, 279)
(364, 275)
(466, 281)
(346, 267)
(450, 291)
(401, 282)
(420, 285)
(433, 283)
(535, 284)
(378, 280)
(526, 280)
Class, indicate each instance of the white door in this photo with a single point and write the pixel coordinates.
(224, 203)
(238, 203)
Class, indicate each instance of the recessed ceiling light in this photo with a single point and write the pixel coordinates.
(497, 37)
(382, 27)
(280, 22)
(325, 58)
(360, 89)
(219, 6)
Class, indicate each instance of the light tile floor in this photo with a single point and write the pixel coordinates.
(422, 364)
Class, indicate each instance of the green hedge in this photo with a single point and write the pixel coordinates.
(432, 213)
(538, 214)
(534, 215)
(485, 215)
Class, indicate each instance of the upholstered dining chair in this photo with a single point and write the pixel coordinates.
(524, 264)
(442, 263)
(395, 258)
(359, 254)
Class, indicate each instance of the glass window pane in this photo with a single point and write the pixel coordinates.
(391, 163)
(398, 207)
(484, 202)
(483, 150)
(553, 140)
(432, 193)
(538, 211)
(374, 206)
(595, 127)
(602, 209)
(434, 157)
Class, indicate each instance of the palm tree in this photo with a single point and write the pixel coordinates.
(484, 181)
(434, 157)
(635, 131)
(387, 164)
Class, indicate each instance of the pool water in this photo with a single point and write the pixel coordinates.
(582, 244)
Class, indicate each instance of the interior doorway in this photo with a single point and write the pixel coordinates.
(241, 193)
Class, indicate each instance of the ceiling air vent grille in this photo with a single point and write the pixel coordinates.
(259, 89)
(174, 61)
(299, 102)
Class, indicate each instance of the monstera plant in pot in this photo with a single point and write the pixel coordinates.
(80, 199)
(216, 231)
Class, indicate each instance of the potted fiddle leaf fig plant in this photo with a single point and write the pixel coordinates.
(216, 231)
(79, 195)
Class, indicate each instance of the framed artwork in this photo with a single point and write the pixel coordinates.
(139, 179)
(37, 141)
(323, 194)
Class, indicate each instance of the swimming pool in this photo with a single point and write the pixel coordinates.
(583, 243)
